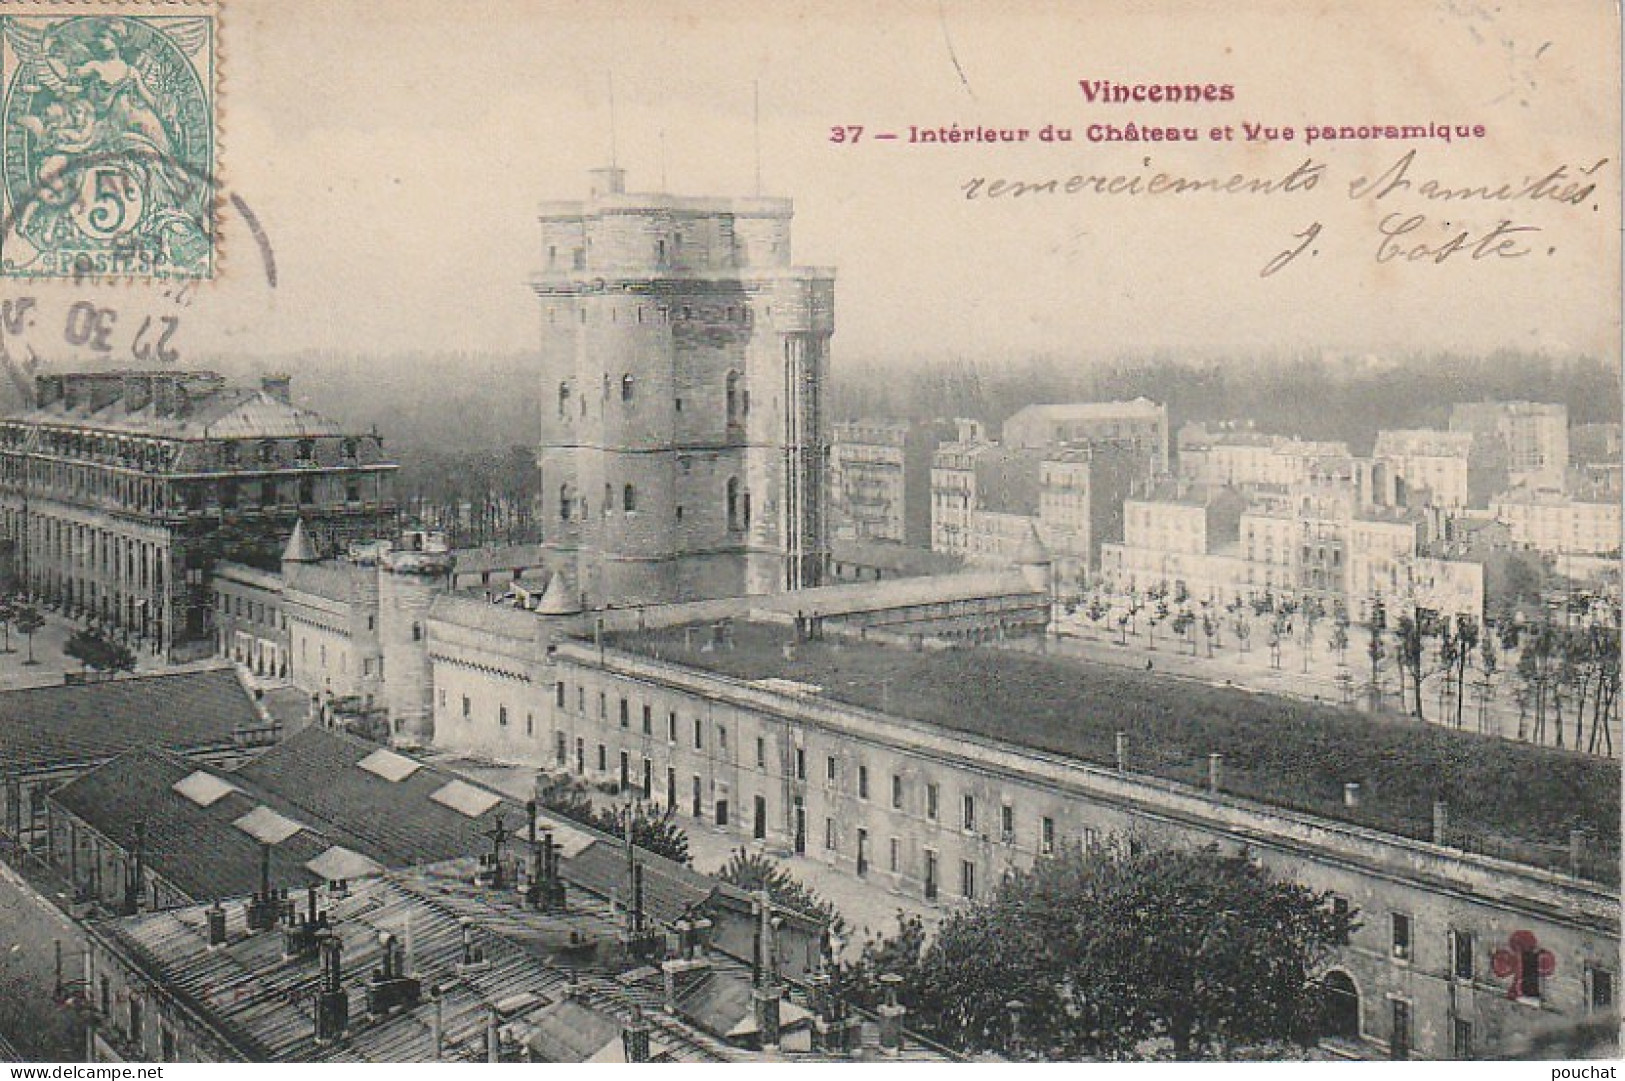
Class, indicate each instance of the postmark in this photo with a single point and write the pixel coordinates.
(108, 141)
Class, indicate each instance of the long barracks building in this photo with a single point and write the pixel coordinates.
(791, 742)
(842, 723)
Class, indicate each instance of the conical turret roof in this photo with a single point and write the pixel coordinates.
(299, 549)
(557, 598)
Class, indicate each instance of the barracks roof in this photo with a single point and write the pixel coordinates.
(55, 727)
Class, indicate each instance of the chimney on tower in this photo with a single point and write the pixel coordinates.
(278, 385)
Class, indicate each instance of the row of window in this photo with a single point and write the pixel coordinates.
(572, 506)
(267, 451)
(1528, 963)
(228, 494)
(736, 397)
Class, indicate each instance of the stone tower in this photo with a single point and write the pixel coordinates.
(683, 363)
(408, 580)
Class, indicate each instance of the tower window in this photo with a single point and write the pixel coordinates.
(564, 502)
(564, 399)
(626, 387)
(629, 498)
(735, 398)
(733, 504)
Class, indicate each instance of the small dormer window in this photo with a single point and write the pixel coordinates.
(267, 452)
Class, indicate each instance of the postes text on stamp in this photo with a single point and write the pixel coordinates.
(108, 141)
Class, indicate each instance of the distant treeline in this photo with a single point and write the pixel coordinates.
(462, 425)
(1315, 397)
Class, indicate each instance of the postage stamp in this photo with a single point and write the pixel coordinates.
(108, 141)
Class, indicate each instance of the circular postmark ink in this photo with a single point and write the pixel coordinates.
(108, 130)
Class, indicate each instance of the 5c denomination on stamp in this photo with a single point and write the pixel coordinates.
(108, 140)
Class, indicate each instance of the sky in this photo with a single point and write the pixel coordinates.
(394, 155)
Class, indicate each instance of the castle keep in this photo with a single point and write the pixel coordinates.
(684, 436)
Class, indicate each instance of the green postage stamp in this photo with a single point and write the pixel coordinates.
(108, 140)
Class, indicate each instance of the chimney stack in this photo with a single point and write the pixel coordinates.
(690, 963)
(217, 925)
(1577, 850)
(1215, 772)
(493, 1035)
(1122, 751)
(473, 957)
(437, 1021)
(1441, 820)
(137, 392)
(332, 1001)
(278, 385)
(1351, 794)
(635, 1037)
(767, 994)
(891, 1015)
(389, 986)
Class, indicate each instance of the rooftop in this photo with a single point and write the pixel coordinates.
(186, 405)
(1278, 751)
(405, 812)
(1142, 407)
(85, 724)
(199, 826)
(557, 982)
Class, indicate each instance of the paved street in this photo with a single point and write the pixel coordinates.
(30, 1020)
(51, 663)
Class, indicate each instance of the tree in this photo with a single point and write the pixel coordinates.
(1467, 639)
(653, 829)
(1312, 610)
(1408, 634)
(27, 620)
(93, 650)
(1123, 952)
(1184, 626)
(1339, 642)
(1210, 630)
(753, 871)
(1243, 629)
(1489, 662)
(1376, 625)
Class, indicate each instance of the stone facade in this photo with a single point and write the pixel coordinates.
(942, 815)
(685, 442)
(880, 479)
(121, 490)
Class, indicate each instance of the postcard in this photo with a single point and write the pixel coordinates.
(928, 531)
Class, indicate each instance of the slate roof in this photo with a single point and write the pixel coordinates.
(401, 824)
(223, 413)
(573, 1032)
(197, 849)
(259, 1002)
(317, 771)
(45, 728)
